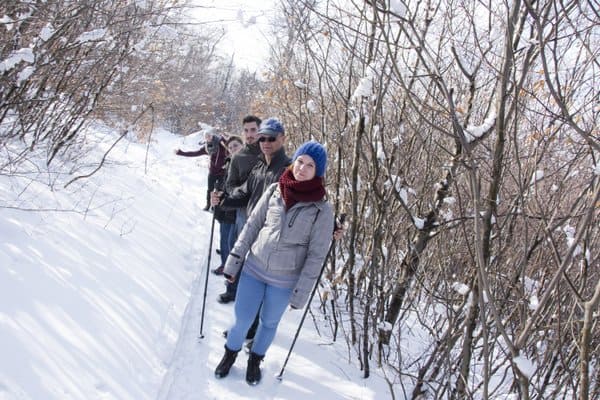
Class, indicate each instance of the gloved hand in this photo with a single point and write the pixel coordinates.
(233, 264)
(215, 198)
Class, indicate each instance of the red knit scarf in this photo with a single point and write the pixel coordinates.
(294, 191)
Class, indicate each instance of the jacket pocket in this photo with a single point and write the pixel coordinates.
(288, 260)
(298, 226)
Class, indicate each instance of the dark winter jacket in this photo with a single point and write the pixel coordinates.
(240, 166)
(224, 215)
(261, 176)
(217, 150)
(285, 244)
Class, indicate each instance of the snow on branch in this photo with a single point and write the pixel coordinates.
(300, 85)
(461, 288)
(47, 32)
(24, 54)
(364, 88)
(398, 8)
(90, 36)
(525, 366)
(473, 133)
(365, 85)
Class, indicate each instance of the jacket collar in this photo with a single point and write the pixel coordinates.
(253, 148)
(278, 157)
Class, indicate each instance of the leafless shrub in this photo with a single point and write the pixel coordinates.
(464, 142)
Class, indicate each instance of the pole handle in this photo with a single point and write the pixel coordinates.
(340, 221)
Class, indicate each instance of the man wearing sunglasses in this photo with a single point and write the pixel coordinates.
(271, 164)
(240, 165)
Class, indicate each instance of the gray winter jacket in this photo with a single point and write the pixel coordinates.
(292, 243)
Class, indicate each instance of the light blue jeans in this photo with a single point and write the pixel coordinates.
(240, 221)
(251, 293)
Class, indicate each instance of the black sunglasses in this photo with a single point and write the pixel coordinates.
(269, 139)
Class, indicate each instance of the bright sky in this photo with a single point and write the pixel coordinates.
(247, 26)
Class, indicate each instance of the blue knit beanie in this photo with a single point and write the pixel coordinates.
(317, 152)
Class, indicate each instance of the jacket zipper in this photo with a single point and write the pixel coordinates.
(293, 219)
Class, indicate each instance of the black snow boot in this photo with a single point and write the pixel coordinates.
(226, 362)
(253, 374)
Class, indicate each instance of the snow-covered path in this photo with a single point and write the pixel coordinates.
(103, 300)
(315, 368)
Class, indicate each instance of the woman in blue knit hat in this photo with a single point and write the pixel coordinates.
(282, 248)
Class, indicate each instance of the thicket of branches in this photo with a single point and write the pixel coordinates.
(464, 144)
(463, 140)
(137, 65)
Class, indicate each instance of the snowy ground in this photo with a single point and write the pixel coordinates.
(101, 293)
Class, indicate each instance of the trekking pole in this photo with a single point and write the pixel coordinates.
(312, 294)
(212, 232)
